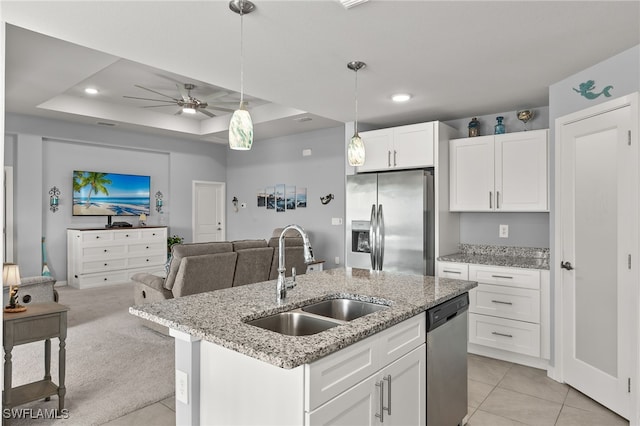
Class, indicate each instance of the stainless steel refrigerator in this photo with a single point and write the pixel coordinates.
(390, 221)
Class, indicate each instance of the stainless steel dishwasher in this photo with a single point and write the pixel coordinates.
(447, 362)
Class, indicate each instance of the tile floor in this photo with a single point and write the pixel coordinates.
(500, 394)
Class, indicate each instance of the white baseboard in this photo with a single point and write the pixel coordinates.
(503, 355)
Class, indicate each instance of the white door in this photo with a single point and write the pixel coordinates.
(599, 237)
(208, 211)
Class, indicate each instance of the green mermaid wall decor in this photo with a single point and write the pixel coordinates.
(586, 90)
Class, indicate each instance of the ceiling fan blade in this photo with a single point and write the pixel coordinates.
(156, 106)
(148, 99)
(179, 112)
(220, 108)
(205, 112)
(157, 93)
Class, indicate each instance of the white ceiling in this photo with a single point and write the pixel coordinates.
(457, 58)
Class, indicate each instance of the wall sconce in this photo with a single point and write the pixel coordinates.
(326, 199)
(159, 202)
(235, 203)
(54, 199)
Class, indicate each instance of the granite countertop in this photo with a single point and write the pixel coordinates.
(219, 316)
(512, 257)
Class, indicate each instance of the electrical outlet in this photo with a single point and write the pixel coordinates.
(337, 259)
(336, 221)
(504, 231)
(182, 387)
(243, 205)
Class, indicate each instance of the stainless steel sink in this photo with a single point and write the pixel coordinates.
(293, 323)
(343, 309)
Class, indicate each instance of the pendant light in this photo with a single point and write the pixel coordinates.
(241, 126)
(355, 149)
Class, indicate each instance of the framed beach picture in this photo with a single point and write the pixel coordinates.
(290, 193)
(301, 197)
(262, 197)
(280, 197)
(271, 197)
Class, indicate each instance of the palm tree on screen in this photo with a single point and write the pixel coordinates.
(96, 181)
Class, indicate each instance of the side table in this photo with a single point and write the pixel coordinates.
(41, 321)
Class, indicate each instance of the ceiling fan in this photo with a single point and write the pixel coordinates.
(188, 104)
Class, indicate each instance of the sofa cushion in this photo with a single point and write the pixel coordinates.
(150, 280)
(253, 265)
(248, 244)
(179, 251)
(206, 272)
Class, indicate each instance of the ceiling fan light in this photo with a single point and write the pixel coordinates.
(356, 151)
(189, 110)
(241, 130)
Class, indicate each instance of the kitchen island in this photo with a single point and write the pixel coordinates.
(228, 371)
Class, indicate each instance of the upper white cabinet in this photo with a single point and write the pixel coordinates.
(507, 172)
(402, 147)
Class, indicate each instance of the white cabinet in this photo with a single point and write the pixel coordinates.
(507, 172)
(111, 256)
(457, 271)
(509, 314)
(402, 147)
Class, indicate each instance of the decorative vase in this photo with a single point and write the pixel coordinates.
(474, 127)
(499, 128)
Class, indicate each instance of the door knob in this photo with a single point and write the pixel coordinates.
(566, 265)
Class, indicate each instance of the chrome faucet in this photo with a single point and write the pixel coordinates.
(281, 286)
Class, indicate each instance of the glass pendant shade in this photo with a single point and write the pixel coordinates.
(241, 130)
(355, 151)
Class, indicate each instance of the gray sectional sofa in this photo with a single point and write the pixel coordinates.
(201, 267)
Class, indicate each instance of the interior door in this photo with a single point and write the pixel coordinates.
(208, 211)
(599, 237)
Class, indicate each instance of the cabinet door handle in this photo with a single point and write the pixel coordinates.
(502, 276)
(490, 199)
(501, 334)
(389, 158)
(497, 199)
(395, 154)
(501, 302)
(451, 272)
(380, 415)
(388, 408)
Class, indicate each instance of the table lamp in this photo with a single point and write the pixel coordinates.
(11, 278)
(143, 220)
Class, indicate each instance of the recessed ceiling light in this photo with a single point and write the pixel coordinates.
(401, 97)
(348, 4)
(91, 91)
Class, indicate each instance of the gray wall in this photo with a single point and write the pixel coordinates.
(45, 152)
(280, 161)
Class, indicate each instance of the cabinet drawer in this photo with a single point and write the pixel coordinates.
(514, 303)
(96, 236)
(102, 265)
(103, 251)
(96, 280)
(515, 336)
(513, 277)
(127, 235)
(136, 262)
(458, 271)
(147, 248)
(154, 234)
(402, 338)
(335, 373)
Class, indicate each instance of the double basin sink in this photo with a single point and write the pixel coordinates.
(316, 317)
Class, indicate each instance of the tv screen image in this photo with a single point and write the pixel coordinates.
(110, 194)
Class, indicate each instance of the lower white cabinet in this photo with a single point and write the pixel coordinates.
(457, 271)
(395, 395)
(384, 374)
(99, 257)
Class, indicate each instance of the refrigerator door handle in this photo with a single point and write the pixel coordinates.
(380, 232)
(372, 238)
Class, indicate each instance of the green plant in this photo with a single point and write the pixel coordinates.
(174, 239)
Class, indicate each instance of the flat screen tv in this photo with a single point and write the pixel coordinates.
(110, 194)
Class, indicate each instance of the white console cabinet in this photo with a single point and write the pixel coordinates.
(99, 257)
(507, 173)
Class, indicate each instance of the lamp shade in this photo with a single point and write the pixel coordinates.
(241, 130)
(355, 151)
(10, 274)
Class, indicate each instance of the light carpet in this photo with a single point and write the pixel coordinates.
(115, 365)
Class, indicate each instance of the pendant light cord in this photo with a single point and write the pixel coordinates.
(241, 58)
(356, 126)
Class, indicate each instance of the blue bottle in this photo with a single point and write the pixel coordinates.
(499, 128)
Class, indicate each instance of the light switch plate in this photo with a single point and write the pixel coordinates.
(336, 221)
(504, 231)
(182, 387)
